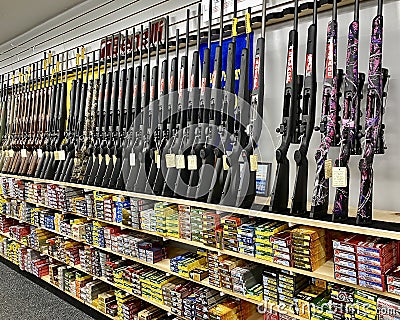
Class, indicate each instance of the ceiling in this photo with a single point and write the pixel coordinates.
(20, 16)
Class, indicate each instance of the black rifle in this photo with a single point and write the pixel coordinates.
(181, 120)
(91, 173)
(143, 123)
(129, 160)
(192, 117)
(306, 126)
(290, 119)
(208, 152)
(113, 122)
(204, 115)
(162, 134)
(166, 185)
(329, 126)
(351, 127)
(225, 128)
(239, 138)
(121, 129)
(3, 107)
(5, 117)
(374, 127)
(150, 124)
(104, 155)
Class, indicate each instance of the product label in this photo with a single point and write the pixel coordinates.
(170, 160)
(132, 159)
(23, 153)
(192, 162)
(61, 155)
(253, 162)
(39, 153)
(180, 161)
(339, 177)
(328, 168)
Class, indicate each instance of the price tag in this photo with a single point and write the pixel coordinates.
(132, 159)
(339, 177)
(157, 159)
(225, 162)
(100, 158)
(11, 153)
(61, 155)
(24, 153)
(114, 157)
(170, 160)
(108, 158)
(328, 168)
(39, 153)
(56, 155)
(6, 153)
(253, 162)
(192, 162)
(180, 161)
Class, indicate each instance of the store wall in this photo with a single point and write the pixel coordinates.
(91, 21)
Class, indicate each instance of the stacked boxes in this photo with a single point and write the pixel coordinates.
(263, 233)
(230, 235)
(196, 224)
(212, 229)
(152, 283)
(364, 260)
(342, 300)
(366, 305)
(187, 262)
(308, 248)
(388, 309)
(311, 303)
(289, 285)
(247, 280)
(213, 266)
(121, 208)
(136, 207)
(393, 281)
(270, 285)
(172, 221)
(246, 238)
(282, 248)
(185, 230)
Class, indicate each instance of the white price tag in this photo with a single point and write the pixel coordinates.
(56, 155)
(170, 160)
(114, 157)
(157, 159)
(11, 153)
(180, 161)
(24, 154)
(132, 159)
(61, 155)
(192, 162)
(339, 177)
(253, 162)
(39, 153)
(225, 162)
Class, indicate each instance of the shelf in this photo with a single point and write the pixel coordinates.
(387, 224)
(325, 272)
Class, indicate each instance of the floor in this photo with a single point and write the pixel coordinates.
(21, 299)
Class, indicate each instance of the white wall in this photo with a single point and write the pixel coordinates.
(95, 19)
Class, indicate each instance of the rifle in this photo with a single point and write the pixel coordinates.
(181, 114)
(305, 127)
(111, 146)
(138, 169)
(4, 125)
(162, 134)
(121, 126)
(50, 115)
(204, 103)
(91, 126)
(192, 117)
(207, 153)
(76, 155)
(129, 160)
(148, 166)
(169, 134)
(76, 103)
(59, 99)
(39, 121)
(104, 156)
(91, 172)
(329, 127)
(374, 128)
(351, 135)
(293, 86)
(225, 128)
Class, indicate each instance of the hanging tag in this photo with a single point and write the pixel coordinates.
(114, 157)
(100, 158)
(170, 160)
(253, 162)
(39, 153)
(192, 162)
(225, 162)
(61, 155)
(11, 153)
(6, 153)
(108, 158)
(56, 156)
(157, 159)
(180, 161)
(339, 177)
(23, 153)
(328, 168)
(132, 159)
